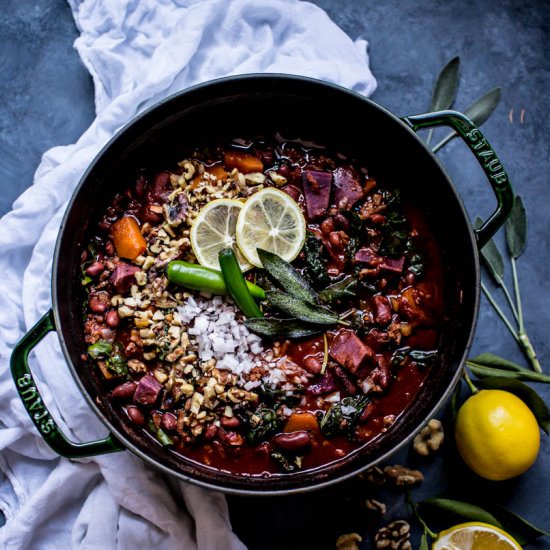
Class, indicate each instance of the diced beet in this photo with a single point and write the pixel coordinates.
(147, 390)
(324, 384)
(382, 309)
(161, 186)
(317, 185)
(345, 380)
(366, 255)
(347, 188)
(377, 339)
(349, 351)
(123, 276)
(381, 375)
(292, 191)
(395, 265)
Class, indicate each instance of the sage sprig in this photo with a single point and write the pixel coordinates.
(478, 112)
(445, 89)
(516, 239)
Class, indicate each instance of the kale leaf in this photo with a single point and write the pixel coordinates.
(342, 417)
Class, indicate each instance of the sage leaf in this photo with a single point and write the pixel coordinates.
(482, 372)
(286, 276)
(492, 360)
(527, 394)
(445, 88)
(463, 509)
(424, 542)
(271, 327)
(340, 289)
(478, 112)
(516, 229)
(521, 529)
(300, 309)
(492, 258)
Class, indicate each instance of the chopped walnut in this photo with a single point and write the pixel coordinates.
(402, 476)
(430, 438)
(394, 536)
(348, 541)
(374, 475)
(376, 507)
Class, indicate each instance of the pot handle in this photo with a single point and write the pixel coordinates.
(487, 158)
(32, 401)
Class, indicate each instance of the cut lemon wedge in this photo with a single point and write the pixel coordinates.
(213, 230)
(272, 220)
(475, 536)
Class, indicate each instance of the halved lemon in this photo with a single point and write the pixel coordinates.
(475, 536)
(214, 229)
(272, 220)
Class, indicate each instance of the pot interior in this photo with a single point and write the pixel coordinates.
(295, 108)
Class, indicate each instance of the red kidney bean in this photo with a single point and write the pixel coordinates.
(169, 422)
(230, 422)
(99, 302)
(377, 219)
(284, 170)
(313, 364)
(95, 269)
(341, 221)
(83, 256)
(135, 415)
(210, 432)
(233, 439)
(327, 226)
(109, 248)
(124, 390)
(367, 412)
(292, 441)
(112, 318)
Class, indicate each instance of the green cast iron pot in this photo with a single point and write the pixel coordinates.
(296, 108)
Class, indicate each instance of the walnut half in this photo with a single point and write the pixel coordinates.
(402, 476)
(394, 536)
(430, 438)
(348, 541)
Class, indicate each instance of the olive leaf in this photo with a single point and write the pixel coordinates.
(424, 542)
(492, 360)
(482, 371)
(463, 509)
(521, 529)
(516, 229)
(445, 88)
(531, 398)
(478, 112)
(492, 258)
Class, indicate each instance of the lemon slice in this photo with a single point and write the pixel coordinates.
(272, 220)
(475, 536)
(214, 229)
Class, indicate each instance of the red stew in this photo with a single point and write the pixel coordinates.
(182, 365)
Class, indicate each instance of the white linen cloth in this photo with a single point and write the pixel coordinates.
(137, 51)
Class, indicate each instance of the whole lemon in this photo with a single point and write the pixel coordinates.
(496, 434)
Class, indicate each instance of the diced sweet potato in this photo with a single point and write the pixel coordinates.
(243, 162)
(349, 351)
(317, 185)
(301, 421)
(127, 238)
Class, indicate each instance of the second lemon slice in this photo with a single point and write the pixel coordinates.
(475, 536)
(272, 220)
(214, 229)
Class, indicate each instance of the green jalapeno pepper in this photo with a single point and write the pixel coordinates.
(198, 277)
(236, 284)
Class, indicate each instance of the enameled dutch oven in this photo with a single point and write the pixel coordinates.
(296, 108)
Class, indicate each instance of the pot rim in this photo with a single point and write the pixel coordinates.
(120, 435)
